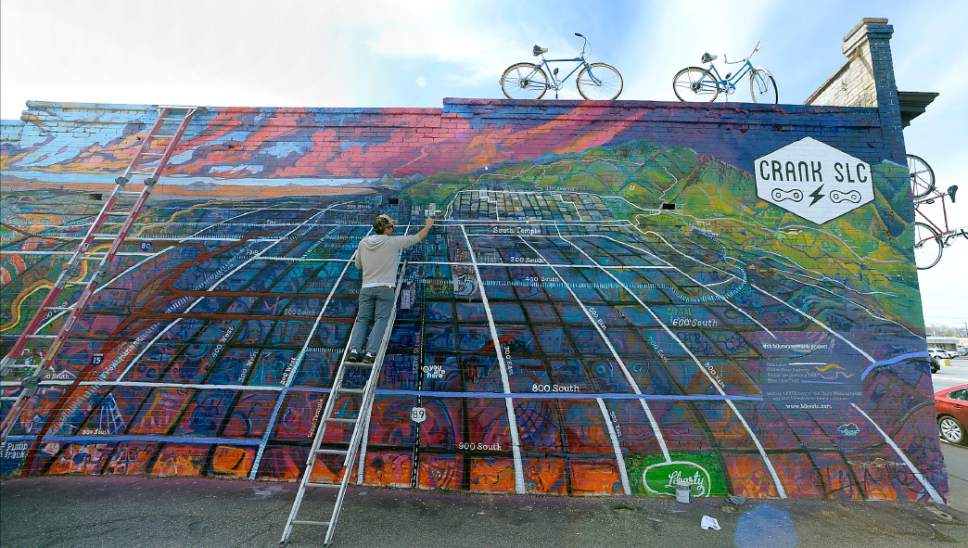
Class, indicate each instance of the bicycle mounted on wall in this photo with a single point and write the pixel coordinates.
(930, 237)
(705, 85)
(599, 81)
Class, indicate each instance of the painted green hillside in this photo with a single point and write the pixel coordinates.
(865, 252)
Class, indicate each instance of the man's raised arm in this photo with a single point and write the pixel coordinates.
(426, 228)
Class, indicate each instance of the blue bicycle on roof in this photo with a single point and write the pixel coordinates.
(699, 84)
(530, 81)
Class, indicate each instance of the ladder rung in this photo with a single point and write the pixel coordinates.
(22, 365)
(152, 153)
(62, 308)
(135, 192)
(317, 484)
(82, 282)
(332, 451)
(310, 522)
(43, 336)
(118, 213)
(350, 390)
(358, 364)
(342, 419)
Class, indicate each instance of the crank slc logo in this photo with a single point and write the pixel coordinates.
(813, 180)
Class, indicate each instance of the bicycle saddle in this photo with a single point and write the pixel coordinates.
(706, 57)
(538, 50)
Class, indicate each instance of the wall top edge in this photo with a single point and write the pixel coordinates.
(473, 105)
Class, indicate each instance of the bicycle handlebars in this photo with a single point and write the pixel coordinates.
(756, 48)
(584, 44)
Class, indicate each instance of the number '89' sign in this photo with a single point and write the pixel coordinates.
(418, 414)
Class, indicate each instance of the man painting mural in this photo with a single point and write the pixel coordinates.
(378, 256)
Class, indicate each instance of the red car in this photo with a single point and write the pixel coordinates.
(952, 407)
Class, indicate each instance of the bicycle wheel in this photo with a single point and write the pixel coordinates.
(922, 176)
(695, 84)
(763, 87)
(927, 246)
(600, 81)
(524, 81)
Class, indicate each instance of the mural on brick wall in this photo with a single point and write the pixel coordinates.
(607, 306)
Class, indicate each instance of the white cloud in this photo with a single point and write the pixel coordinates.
(466, 36)
(284, 53)
(179, 51)
(421, 82)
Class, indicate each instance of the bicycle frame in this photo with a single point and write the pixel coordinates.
(945, 234)
(555, 82)
(724, 84)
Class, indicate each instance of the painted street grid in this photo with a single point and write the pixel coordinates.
(621, 313)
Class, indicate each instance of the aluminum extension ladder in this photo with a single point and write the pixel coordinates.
(360, 422)
(149, 162)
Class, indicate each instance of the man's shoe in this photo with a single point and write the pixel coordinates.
(368, 358)
(353, 356)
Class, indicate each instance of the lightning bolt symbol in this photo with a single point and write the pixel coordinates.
(816, 195)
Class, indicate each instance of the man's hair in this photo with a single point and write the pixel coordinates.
(382, 223)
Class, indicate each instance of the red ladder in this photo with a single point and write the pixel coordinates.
(151, 159)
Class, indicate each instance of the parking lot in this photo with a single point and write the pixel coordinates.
(953, 374)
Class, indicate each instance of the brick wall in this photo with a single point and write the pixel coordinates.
(867, 79)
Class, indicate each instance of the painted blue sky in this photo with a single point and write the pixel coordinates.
(386, 53)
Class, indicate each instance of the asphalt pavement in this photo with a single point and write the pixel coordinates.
(953, 374)
(149, 511)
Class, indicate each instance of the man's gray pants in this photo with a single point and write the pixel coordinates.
(375, 306)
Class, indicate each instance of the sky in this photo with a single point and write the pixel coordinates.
(396, 53)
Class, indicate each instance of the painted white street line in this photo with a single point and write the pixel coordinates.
(573, 204)
(505, 382)
(48, 253)
(932, 492)
(616, 447)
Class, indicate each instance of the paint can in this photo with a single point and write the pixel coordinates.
(683, 490)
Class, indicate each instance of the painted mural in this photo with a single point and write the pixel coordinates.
(605, 306)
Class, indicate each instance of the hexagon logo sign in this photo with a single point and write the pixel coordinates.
(813, 180)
